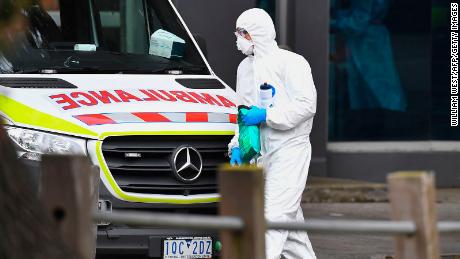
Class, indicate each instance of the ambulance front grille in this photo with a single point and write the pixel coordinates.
(151, 172)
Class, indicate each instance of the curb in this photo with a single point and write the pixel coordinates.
(332, 190)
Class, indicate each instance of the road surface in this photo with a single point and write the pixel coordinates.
(346, 246)
(333, 246)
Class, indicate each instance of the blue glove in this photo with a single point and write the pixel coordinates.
(255, 116)
(235, 159)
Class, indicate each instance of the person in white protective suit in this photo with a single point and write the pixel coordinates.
(284, 126)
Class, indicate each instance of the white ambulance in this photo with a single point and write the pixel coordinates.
(124, 83)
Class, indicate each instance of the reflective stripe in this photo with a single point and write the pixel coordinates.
(129, 197)
(233, 118)
(25, 115)
(151, 117)
(124, 117)
(219, 117)
(197, 117)
(174, 116)
(95, 119)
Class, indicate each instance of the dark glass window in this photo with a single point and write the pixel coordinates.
(123, 25)
(387, 72)
(269, 6)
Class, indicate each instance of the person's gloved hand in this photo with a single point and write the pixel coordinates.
(235, 158)
(254, 116)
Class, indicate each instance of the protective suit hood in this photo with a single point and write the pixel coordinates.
(260, 26)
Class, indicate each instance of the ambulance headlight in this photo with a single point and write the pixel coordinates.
(4, 120)
(31, 144)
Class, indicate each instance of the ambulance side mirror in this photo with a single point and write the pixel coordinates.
(202, 44)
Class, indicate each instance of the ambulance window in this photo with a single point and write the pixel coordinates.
(52, 8)
(162, 16)
(60, 24)
(123, 26)
(97, 36)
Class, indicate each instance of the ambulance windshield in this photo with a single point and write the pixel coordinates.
(100, 36)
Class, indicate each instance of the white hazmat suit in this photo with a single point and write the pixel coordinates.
(285, 144)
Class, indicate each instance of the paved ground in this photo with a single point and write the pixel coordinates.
(327, 198)
(346, 246)
(333, 246)
(336, 198)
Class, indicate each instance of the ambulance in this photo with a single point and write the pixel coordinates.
(125, 83)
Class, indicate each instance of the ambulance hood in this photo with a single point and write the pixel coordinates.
(96, 106)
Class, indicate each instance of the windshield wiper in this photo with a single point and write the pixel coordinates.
(55, 70)
(172, 70)
(43, 70)
(179, 70)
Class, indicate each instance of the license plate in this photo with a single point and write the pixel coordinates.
(187, 247)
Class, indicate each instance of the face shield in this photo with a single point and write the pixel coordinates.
(244, 42)
(240, 32)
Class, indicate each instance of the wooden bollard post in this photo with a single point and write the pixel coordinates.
(26, 231)
(67, 190)
(94, 188)
(413, 197)
(242, 191)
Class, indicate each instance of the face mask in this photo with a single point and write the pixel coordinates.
(245, 46)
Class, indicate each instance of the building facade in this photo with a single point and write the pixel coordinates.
(382, 75)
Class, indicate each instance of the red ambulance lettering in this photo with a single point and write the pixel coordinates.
(91, 98)
(90, 101)
(105, 96)
(127, 97)
(205, 98)
(64, 99)
(150, 96)
(166, 96)
(183, 96)
(227, 103)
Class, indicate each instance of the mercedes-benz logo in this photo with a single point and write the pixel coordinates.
(186, 163)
